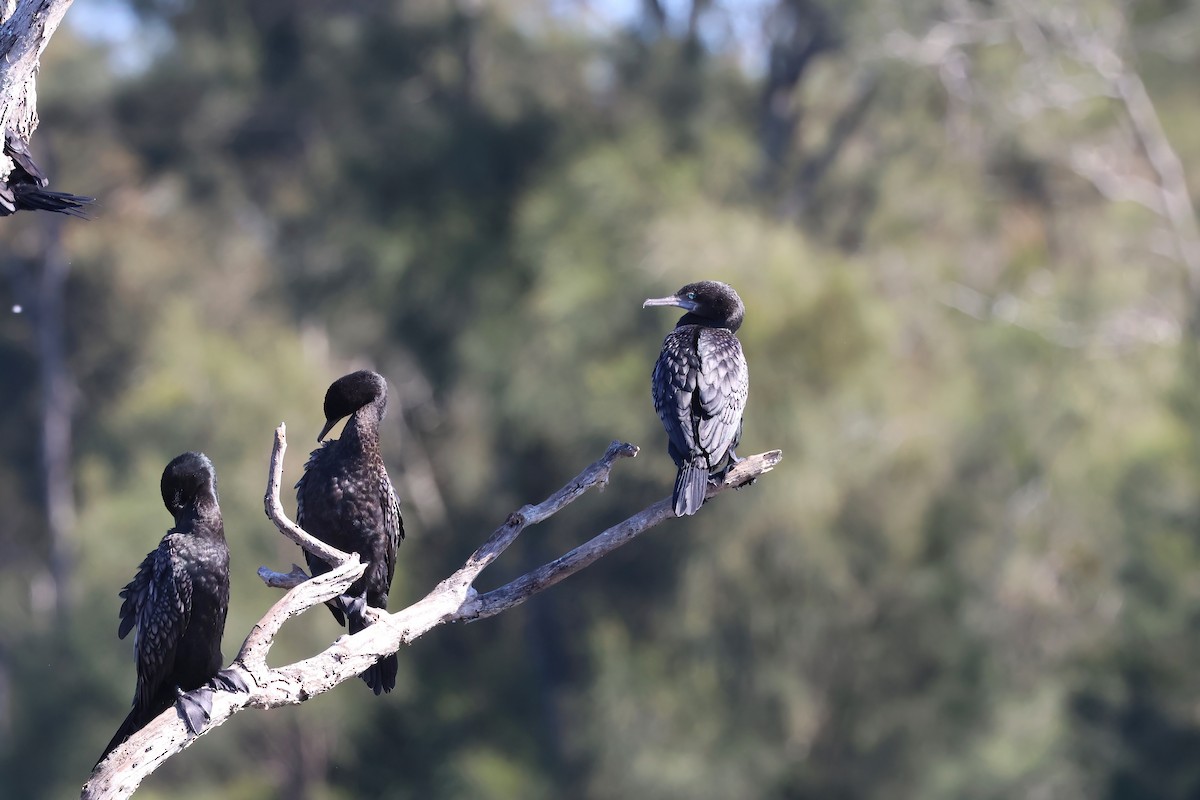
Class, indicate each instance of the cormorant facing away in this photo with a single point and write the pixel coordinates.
(346, 499)
(25, 188)
(177, 601)
(699, 387)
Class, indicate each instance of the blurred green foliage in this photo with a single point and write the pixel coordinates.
(974, 576)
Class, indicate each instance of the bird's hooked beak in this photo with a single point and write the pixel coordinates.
(673, 300)
(329, 423)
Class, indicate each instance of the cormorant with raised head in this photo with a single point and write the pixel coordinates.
(177, 602)
(346, 499)
(25, 187)
(699, 385)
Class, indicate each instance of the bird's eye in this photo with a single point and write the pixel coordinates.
(691, 295)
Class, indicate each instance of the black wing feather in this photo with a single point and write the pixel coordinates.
(316, 566)
(134, 594)
(163, 610)
(18, 151)
(393, 524)
(25, 189)
(673, 385)
(700, 385)
(722, 389)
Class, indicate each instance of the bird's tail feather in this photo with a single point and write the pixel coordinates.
(690, 486)
(380, 676)
(336, 610)
(134, 722)
(36, 199)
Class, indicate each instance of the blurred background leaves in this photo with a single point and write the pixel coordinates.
(965, 235)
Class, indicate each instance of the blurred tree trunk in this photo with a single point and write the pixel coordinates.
(26, 28)
(654, 19)
(57, 408)
(814, 167)
(5, 696)
(304, 758)
(547, 652)
(797, 31)
(464, 30)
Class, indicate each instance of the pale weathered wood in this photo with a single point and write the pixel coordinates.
(274, 508)
(454, 599)
(24, 34)
(545, 576)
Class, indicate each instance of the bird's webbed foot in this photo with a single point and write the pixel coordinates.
(748, 482)
(733, 460)
(229, 680)
(352, 605)
(195, 707)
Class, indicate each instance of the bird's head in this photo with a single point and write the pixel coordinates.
(706, 303)
(187, 481)
(351, 392)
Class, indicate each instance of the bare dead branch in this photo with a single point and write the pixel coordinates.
(506, 534)
(253, 655)
(1112, 177)
(24, 34)
(1168, 168)
(453, 599)
(520, 590)
(274, 508)
(1076, 55)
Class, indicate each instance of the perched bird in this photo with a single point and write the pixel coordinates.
(25, 188)
(346, 499)
(700, 385)
(177, 602)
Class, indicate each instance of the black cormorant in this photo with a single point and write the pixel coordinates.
(25, 188)
(699, 386)
(346, 499)
(177, 602)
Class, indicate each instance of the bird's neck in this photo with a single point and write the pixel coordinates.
(202, 517)
(362, 429)
(733, 322)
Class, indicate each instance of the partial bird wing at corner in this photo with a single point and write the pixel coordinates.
(25, 188)
(25, 169)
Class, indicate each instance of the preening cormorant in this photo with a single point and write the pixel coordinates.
(346, 499)
(699, 385)
(25, 187)
(177, 602)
